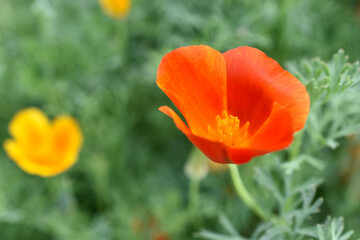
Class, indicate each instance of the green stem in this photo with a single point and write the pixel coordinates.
(295, 149)
(53, 187)
(294, 153)
(244, 194)
(123, 38)
(284, 29)
(194, 194)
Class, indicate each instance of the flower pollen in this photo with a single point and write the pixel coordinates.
(228, 130)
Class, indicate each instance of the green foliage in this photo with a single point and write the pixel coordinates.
(333, 229)
(294, 207)
(334, 92)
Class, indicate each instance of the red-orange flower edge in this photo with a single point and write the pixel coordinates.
(237, 105)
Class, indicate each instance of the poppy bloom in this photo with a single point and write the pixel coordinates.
(237, 105)
(116, 8)
(40, 147)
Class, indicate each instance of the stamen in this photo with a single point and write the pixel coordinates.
(228, 130)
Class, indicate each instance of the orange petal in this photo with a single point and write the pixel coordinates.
(241, 155)
(255, 82)
(194, 78)
(177, 120)
(275, 134)
(213, 150)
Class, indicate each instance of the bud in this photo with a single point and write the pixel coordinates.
(196, 167)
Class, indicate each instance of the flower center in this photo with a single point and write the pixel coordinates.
(228, 130)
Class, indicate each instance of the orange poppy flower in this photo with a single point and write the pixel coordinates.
(115, 8)
(40, 147)
(237, 105)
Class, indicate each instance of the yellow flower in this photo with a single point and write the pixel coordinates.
(116, 8)
(40, 147)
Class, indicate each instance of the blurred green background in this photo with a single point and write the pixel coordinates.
(69, 57)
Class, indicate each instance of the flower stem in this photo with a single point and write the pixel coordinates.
(244, 194)
(295, 149)
(194, 194)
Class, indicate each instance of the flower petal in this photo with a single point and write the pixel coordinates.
(242, 155)
(275, 134)
(213, 150)
(194, 78)
(30, 126)
(116, 8)
(29, 164)
(255, 82)
(41, 148)
(67, 135)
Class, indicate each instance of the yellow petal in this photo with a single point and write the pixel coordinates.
(64, 163)
(15, 152)
(116, 8)
(30, 126)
